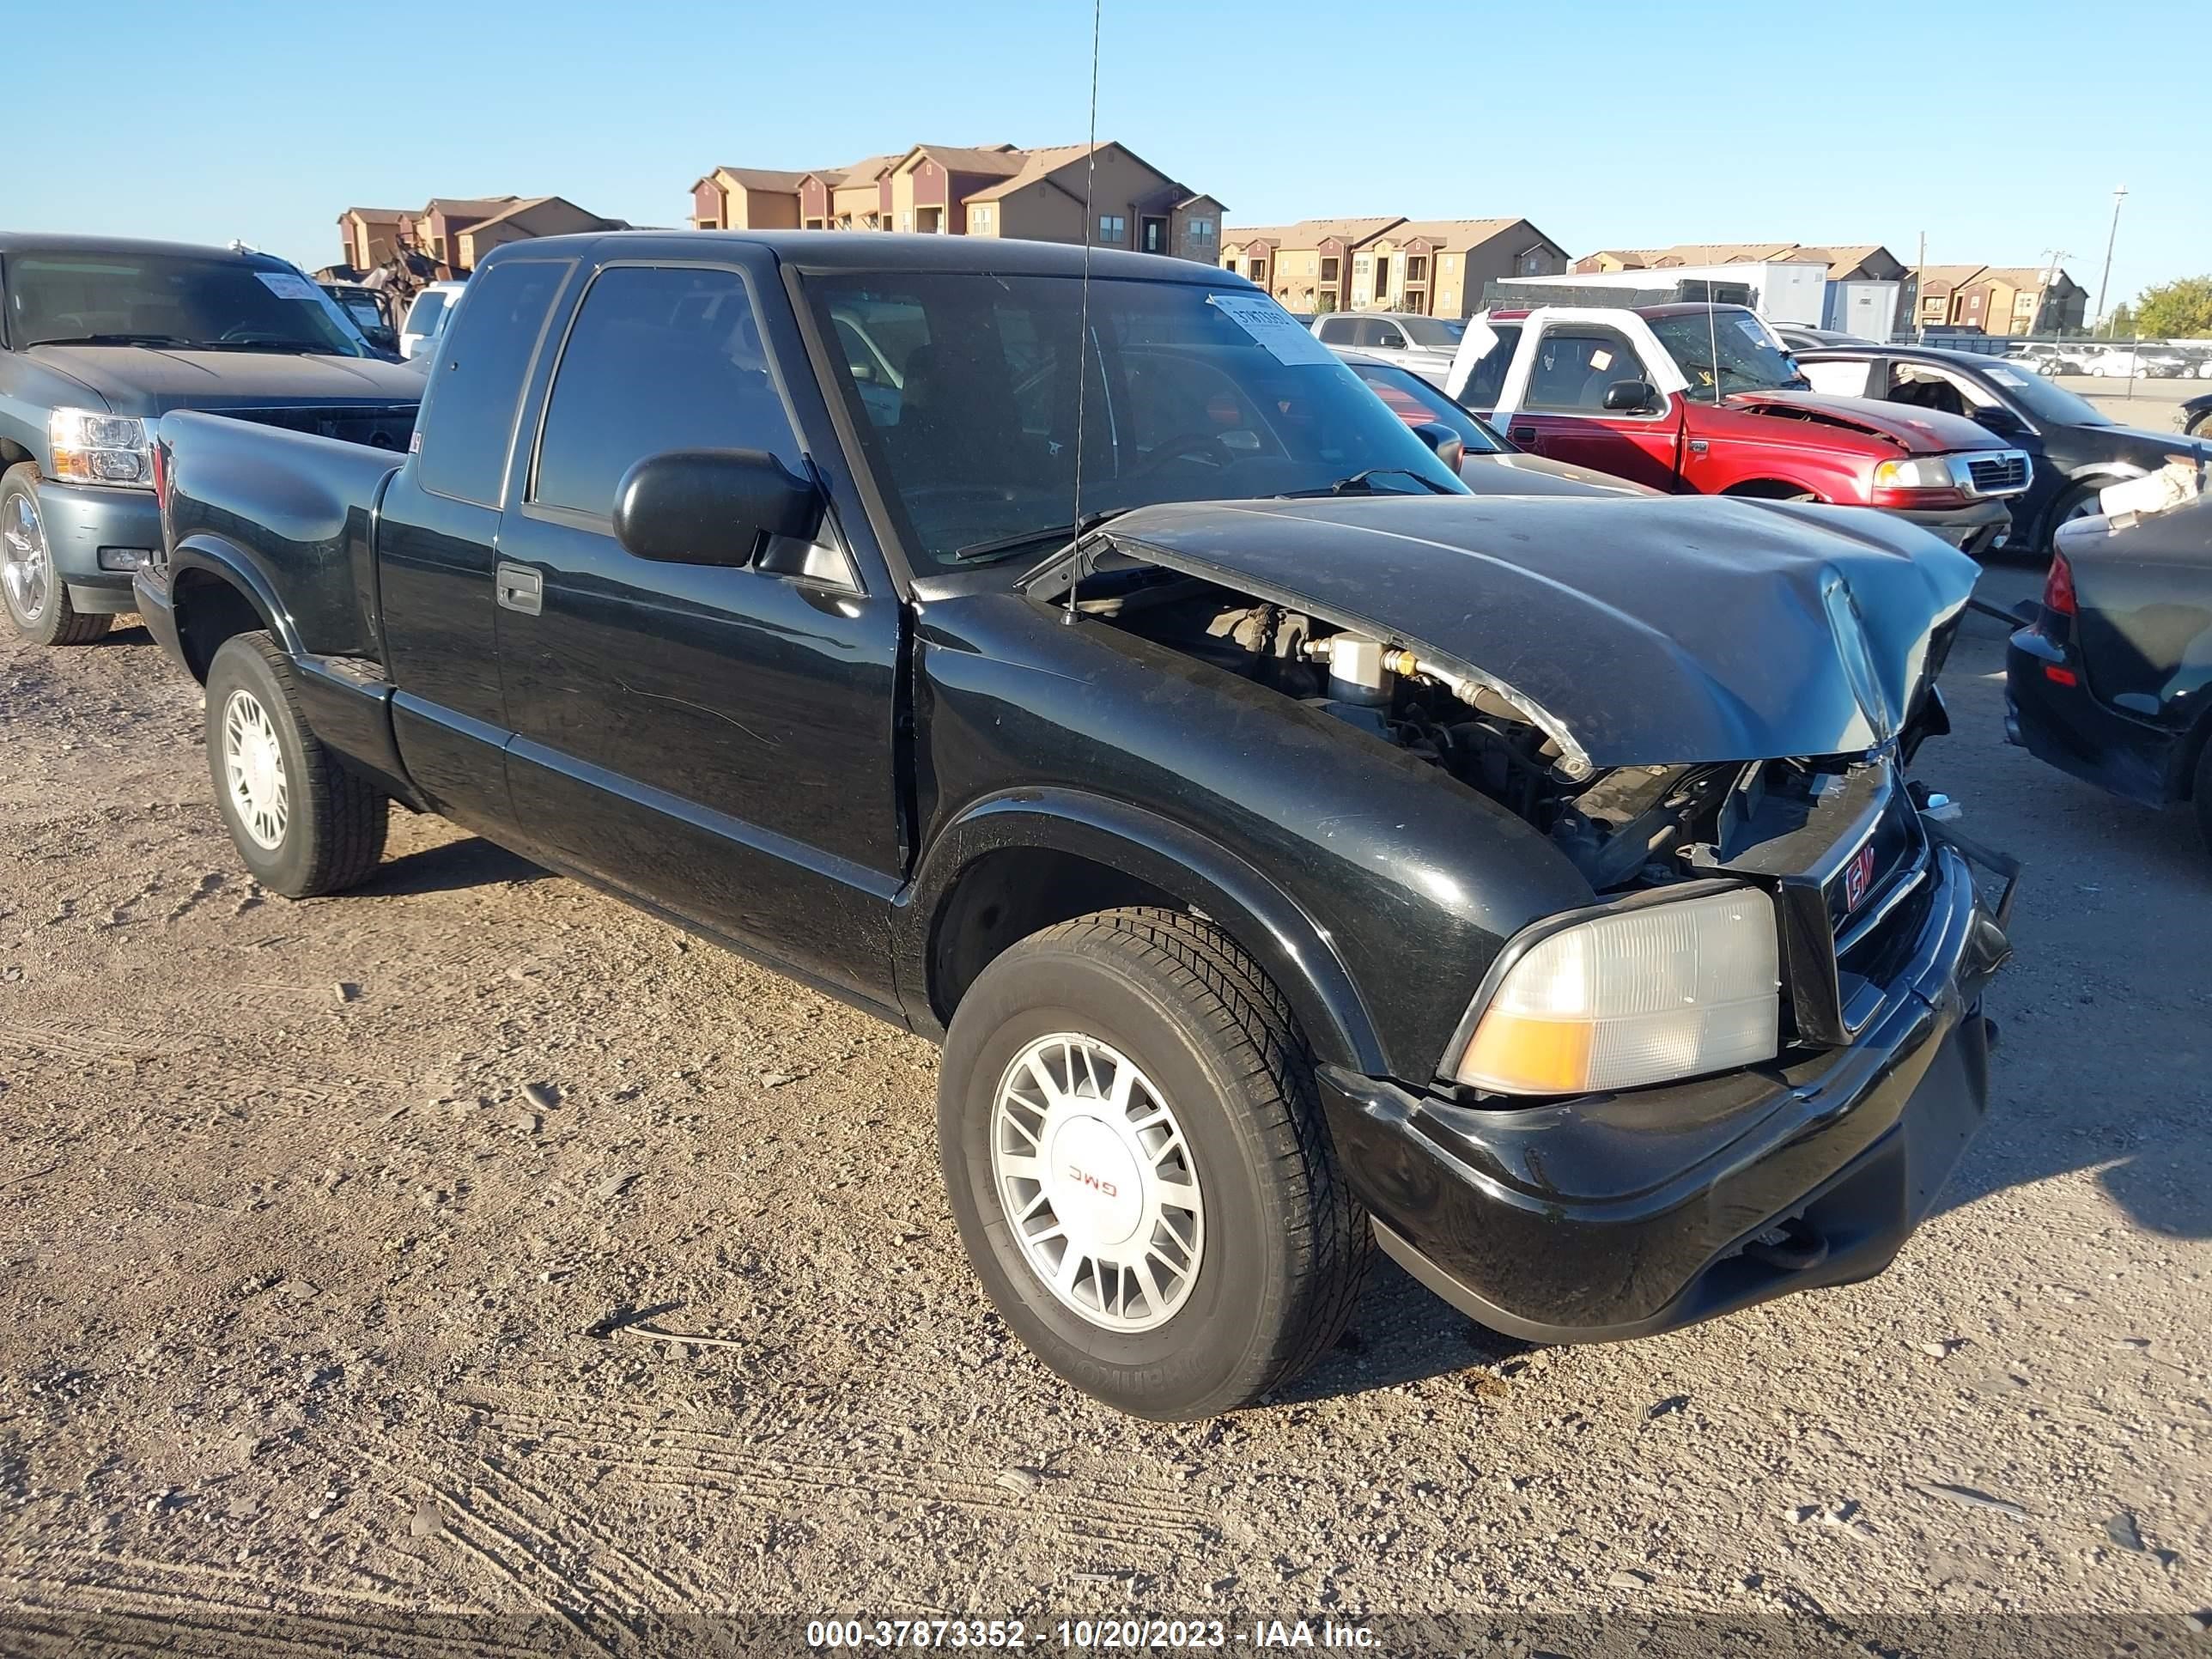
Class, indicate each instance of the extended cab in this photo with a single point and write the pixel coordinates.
(1064, 656)
(99, 340)
(1703, 400)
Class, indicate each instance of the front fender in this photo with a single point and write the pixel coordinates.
(1210, 879)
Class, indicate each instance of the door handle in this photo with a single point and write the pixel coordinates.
(1524, 435)
(517, 587)
(1698, 446)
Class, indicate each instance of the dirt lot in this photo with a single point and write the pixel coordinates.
(315, 1215)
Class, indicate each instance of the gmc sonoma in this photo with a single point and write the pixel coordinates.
(1291, 850)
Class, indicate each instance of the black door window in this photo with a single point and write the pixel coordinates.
(660, 358)
(1486, 382)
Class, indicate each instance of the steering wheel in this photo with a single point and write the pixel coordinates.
(1196, 446)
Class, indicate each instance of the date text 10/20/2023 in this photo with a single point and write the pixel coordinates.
(1085, 1634)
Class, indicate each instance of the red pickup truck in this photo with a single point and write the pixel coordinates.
(1701, 399)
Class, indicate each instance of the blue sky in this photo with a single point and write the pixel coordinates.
(1606, 124)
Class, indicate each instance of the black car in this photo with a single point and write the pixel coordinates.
(2076, 448)
(2113, 681)
(1293, 850)
(100, 337)
(2196, 416)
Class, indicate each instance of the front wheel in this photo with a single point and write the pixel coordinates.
(303, 823)
(1140, 1166)
(31, 590)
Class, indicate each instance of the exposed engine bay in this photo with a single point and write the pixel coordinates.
(1625, 827)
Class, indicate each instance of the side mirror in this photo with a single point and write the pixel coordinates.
(1631, 395)
(1449, 446)
(711, 506)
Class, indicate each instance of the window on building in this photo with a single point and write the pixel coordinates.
(1113, 229)
(1201, 230)
(1259, 272)
(1155, 235)
(979, 218)
(1417, 269)
(906, 222)
(1328, 270)
(658, 358)
(1532, 265)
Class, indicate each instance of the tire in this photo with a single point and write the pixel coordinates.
(2200, 426)
(31, 590)
(304, 824)
(1278, 1247)
(2068, 505)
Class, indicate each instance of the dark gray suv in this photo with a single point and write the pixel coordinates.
(100, 337)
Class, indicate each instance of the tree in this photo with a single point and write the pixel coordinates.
(2120, 323)
(2179, 310)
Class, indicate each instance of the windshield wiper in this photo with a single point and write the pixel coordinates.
(1363, 483)
(976, 551)
(115, 339)
(305, 347)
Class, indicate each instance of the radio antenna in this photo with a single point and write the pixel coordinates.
(1083, 328)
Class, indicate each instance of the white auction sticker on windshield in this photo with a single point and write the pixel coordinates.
(1273, 327)
(288, 285)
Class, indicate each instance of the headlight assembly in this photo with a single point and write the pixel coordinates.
(1654, 992)
(90, 447)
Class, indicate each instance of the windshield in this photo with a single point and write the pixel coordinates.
(1439, 334)
(1415, 402)
(1747, 360)
(171, 300)
(963, 386)
(2041, 399)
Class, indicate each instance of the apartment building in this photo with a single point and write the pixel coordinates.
(1864, 262)
(994, 189)
(456, 232)
(1432, 267)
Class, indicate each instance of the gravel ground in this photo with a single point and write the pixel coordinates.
(319, 1220)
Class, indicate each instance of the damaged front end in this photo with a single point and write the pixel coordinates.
(1707, 714)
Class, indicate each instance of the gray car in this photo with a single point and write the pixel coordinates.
(1423, 344)
(100, 337)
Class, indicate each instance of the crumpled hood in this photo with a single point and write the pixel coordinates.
(1646, 631)
(1918, 431)
(144, 380)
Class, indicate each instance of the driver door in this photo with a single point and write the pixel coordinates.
(1560, 411)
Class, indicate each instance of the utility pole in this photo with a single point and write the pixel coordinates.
(2104, 282)
(1920, 311)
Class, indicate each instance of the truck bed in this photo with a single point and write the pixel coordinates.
(298, 508)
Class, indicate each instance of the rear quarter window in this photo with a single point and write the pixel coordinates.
(469, 407)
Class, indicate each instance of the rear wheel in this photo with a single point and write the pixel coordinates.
(36, 598)
(1139, 1167)
(303, 823)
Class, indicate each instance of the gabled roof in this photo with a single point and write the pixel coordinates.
(1948, 276)
(524, 206)
(463, 206)
(1035, 165)
(380, 215)
(862, 172)
(995, 160)
(2023, 276)
(1451, 233)
(759, 178)
(1842, 261)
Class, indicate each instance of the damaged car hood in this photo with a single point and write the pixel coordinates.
(1638, 631)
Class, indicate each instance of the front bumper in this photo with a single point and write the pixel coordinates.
(1973, 530)
(1623, 1216)
(2064, 726)
(83, 521)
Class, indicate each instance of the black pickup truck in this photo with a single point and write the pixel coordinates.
(1293, 850)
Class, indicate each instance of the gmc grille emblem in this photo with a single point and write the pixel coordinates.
(1858, 875)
